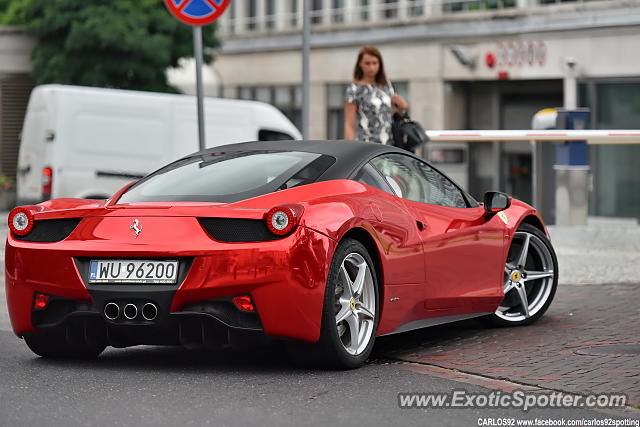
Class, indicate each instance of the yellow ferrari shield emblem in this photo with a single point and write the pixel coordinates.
(503, 217)
(515, 276)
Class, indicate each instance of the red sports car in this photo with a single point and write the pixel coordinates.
(323, 244)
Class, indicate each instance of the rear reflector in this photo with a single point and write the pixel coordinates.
(47, 181)
(40, 302)
(243, 303)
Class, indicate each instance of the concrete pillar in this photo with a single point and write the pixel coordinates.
(432, 7)
(351, 14)
(403, 10)
(427, 104)
(374, 11)
(327, 12)
(572, 202)
(260, 15)
(241, 14)
(300, 13)
(317, 111)
(281, 10)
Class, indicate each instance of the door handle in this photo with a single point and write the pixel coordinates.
(421, 225)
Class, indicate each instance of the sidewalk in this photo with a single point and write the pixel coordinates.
(604, 251)
(588, 341)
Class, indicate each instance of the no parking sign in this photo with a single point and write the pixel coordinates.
(197, 12)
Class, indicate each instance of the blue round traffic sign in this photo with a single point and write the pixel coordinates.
(197, 12)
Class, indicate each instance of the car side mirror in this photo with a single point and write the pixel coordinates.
(495, 201)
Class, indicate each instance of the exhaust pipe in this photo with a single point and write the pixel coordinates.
(149, 311)
(130, 311)
(111, 311)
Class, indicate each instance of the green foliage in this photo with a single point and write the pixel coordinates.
(11, 12)
(124, 44)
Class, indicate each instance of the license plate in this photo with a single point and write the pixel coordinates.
(133, 271)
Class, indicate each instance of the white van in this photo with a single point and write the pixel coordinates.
(88, 142)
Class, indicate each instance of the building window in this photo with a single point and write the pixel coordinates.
(287, 98)
(252, 9)
(364, 10)
(416, 7)
(270, 11)
(390, 9)
(316, 12)
(337, 11)
(335, 111)
(449, 6)
(231, 18)
(293, 16)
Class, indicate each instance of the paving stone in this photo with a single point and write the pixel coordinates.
(559, 351)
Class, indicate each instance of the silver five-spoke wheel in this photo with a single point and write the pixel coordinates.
(530, 278)
(355, 304)
(350, 311)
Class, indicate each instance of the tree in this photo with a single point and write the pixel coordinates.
(124, 44)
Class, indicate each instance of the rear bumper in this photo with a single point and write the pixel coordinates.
(211, 324)
(285, 278)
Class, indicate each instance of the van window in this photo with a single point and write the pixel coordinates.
(273, 135)
(228, 177)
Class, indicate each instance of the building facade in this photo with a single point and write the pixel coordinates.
(467, 64)
(15, 86)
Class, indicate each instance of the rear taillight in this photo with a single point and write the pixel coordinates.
(47, 182)
(40, 301)
(244, 303)
(283, 219)
(21, 221)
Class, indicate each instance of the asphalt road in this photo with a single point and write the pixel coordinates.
(171, 386)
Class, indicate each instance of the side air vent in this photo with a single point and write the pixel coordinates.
(50, 230)
(237, 230)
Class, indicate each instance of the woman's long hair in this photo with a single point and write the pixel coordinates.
(381, 77)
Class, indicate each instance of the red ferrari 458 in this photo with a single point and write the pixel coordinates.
(322, 244)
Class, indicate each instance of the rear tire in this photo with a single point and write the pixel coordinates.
(349, 315)
(56, 347)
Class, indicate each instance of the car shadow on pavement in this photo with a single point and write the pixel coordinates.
(272, 357)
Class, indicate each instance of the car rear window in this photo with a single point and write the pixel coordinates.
(228, 177)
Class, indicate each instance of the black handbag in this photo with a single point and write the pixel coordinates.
(407, 134)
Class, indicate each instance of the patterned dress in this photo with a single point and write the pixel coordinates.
(373, 112)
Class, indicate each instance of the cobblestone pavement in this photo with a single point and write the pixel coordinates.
(588, 342)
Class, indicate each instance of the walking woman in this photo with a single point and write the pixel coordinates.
(370, 100)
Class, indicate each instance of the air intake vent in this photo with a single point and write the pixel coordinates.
(50, 230)
(237, 230)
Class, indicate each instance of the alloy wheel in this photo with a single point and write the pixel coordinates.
(528, 278)
(355, 304)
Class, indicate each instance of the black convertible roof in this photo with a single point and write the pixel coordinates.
(349, 155)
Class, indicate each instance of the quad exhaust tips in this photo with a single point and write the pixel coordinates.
(149, 311)
(112, 311)
(130, 311)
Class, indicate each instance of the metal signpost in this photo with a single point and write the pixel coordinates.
(197, 13)
(306, 35)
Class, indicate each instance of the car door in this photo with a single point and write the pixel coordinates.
(463, 250)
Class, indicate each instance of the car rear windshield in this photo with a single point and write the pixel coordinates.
(228, 177)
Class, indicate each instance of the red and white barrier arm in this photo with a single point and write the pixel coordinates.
(598, 136)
